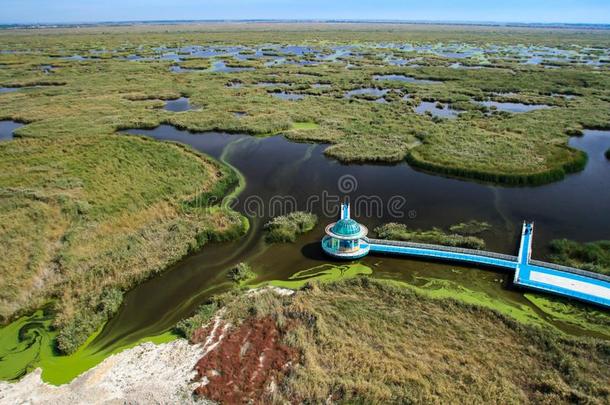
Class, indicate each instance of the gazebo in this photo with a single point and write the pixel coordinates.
(346, 238)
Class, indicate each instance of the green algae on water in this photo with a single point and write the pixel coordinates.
(324, 273)
(29, 343)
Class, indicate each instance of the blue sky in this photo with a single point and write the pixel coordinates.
(49, 11)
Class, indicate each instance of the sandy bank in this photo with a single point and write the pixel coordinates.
(144, 374)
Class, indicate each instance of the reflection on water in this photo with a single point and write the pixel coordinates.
(442, 111)
(276, 167)
(403, 78)
(513, 107)
(283, 95)
(178, 105)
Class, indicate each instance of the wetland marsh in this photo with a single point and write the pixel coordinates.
(117, 214)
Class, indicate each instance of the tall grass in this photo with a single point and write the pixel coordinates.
(460, 235)
(80, 214)
(592, 256)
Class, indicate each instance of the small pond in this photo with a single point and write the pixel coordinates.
(368, 91)
(513, 107)
(288, 96)
(403, 78)
(7, 128)
(433, 108)
(178, 105)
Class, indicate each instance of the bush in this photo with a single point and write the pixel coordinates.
(72, 335)
(286, 228)
(608, 154)
(204, 313)
(592, 256)
(77, 330)
(110, 301)
(241, 272)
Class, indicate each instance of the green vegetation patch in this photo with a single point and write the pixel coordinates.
(581, 316)
(592, 256)
(105, 92)
(396, 231)
(241, 273)
(472, 227)
(286, 228)
(204, 313)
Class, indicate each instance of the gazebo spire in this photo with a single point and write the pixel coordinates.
(345, 210)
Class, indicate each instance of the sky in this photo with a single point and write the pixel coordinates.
(70, 11)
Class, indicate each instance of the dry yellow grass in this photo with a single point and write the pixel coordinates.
(83, 216)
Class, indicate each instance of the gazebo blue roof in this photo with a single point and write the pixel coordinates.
(346, 227)
(346, 238)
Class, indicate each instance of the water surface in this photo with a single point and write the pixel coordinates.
(407, 79)
(178, 105)
(7, 128)
(443, 112)
(513, 107)
(277, 168)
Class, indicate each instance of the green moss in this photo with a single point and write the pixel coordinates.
(584, 317)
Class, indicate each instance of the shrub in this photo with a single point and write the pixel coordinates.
(592, 256)
(241, 272)
(204, 313)
(285, 228)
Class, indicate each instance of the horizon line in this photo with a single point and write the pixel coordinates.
(308, 20)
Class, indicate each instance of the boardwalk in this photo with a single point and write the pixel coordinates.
(542, 276)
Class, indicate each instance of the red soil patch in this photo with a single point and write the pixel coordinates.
(246, 364)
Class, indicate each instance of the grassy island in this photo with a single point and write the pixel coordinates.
(286, 228)
(102, 89)
(460, 235)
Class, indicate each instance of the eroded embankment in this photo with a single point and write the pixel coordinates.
(243, 363)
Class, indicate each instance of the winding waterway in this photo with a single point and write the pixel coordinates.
(275, 166)
(575, 208)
